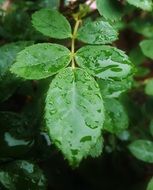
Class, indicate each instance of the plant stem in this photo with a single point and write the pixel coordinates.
(73, 41)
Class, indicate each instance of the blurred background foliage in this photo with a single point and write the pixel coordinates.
(28, 160)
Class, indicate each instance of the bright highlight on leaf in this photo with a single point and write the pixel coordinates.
(51, 23)
(98, 32)
(74, 114)
(41, 61)
(142, 4)
(113, 89)
(142, 150)
(104, 62)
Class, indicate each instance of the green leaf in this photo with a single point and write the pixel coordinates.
(16, 137)
(74, 109)
(8, 54)
(143, 26)
(8, 84)
(98, 32)
(51, 23)
(41, 61)
(104, 62)
(116, 119)
(151, 127)
(142, 150)
(149, 87)
(51, 3)
(23, 175)
(146, 5)
(113, 89)
(150, 185)
(96, 150)
(110, 9)
(147, 48)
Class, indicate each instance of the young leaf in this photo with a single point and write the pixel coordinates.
(150, 185)
(142, 150)
(41, 61)
(104, 62)
(116, 119)
(110, 9)
(74, 113)
(146, 5)
(8, 54)
(149, 87)
(51, 23)
(98, 32)
(113, 89)
(23, 175)
(147, 48)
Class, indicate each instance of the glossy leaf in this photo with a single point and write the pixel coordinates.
(149, 87)
(150, 185)
(113, 89)
(116, 119)
(74, 113)
(41, 61)
(142, 4)
(16, 138)
(51, 23)
(104, 62)
(142, 150)
(8, 54)
(110, 9)
(98, 32)
(22, 174)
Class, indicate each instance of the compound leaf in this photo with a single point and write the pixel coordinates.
(142, 150)
(98, 32)
(74, 113)
(51, 23)
(104, 62)
(41, 61)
